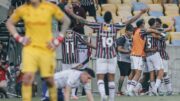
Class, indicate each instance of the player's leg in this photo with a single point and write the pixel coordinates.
(29, 61)
(101, 70)
(166, 78)
(122, 76)
(130, 77)
(137, 63)
(27, 81)
(47, 69)
(112, 64)
(157, 63)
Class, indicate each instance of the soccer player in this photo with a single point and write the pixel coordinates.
(164, 55)
(70, 49)
(124, 50)
(137, 54)
(73, 78)
(70, 52)
(154, 60)
(39, 44)
(106, 49)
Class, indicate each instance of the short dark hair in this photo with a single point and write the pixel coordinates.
(129, 27)
(107, 17)
(28, 1)
(139, 22)
(151, 21)
(165, 26)
(89, 71)
(158, 20)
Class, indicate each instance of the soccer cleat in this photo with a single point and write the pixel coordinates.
(161, 93)
(130, 93)
(154, 91)
(169, 93)
(120, 94)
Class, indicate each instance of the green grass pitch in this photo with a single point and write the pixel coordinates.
(122, 98)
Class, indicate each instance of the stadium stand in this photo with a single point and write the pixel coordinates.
(171, 10)
(121, 11)
(146, 1)
(177, 23)
(175, 38)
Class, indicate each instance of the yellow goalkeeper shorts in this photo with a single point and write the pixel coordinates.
(37, 58)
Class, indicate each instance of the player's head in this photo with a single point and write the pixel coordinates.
(107, 17)
(152, 22)
(129, 29)
(140, 23)
(165, 26)
(158, 22)
(87, 75)
(33, 1)
(53, 1)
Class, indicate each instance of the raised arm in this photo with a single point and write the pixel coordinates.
(170, 27)
(69, 10)
(136, 16)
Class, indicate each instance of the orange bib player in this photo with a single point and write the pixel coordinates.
(37, 53)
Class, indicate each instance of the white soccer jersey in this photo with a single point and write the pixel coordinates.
(68, 77)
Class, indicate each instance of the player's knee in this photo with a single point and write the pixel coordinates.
(49, 82)
(112, 85)
(27, 79)
(100, 82)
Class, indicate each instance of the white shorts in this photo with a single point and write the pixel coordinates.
(68, 66)
(154, 62)
(136, 62)
(145, 67)
(165, 65)
(104, 66)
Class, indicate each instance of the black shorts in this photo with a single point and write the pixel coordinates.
(124, 68)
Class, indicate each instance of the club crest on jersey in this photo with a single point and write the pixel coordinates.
(106, 28)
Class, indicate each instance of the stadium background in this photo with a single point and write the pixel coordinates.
(121, 10)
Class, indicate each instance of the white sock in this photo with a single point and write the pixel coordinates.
(161, 87)
(112, 90)
(138, 87)
(158, 82)
(152, 83)
(168, 84)
(128, 84)
(73, 91)
(133, 85)
(101, 88)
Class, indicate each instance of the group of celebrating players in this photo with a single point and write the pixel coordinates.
(139, 50)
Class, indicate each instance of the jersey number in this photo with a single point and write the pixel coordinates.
(149, 45)
(71, 46)
(107, 42)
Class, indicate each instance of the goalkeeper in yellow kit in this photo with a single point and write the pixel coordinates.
(38, 51)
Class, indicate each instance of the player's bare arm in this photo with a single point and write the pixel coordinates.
(12, 29)
(121, 49)
(67, 91)
(69, 10)
(56, 41)
(136, 16)
(89, 96)
(170, 27)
